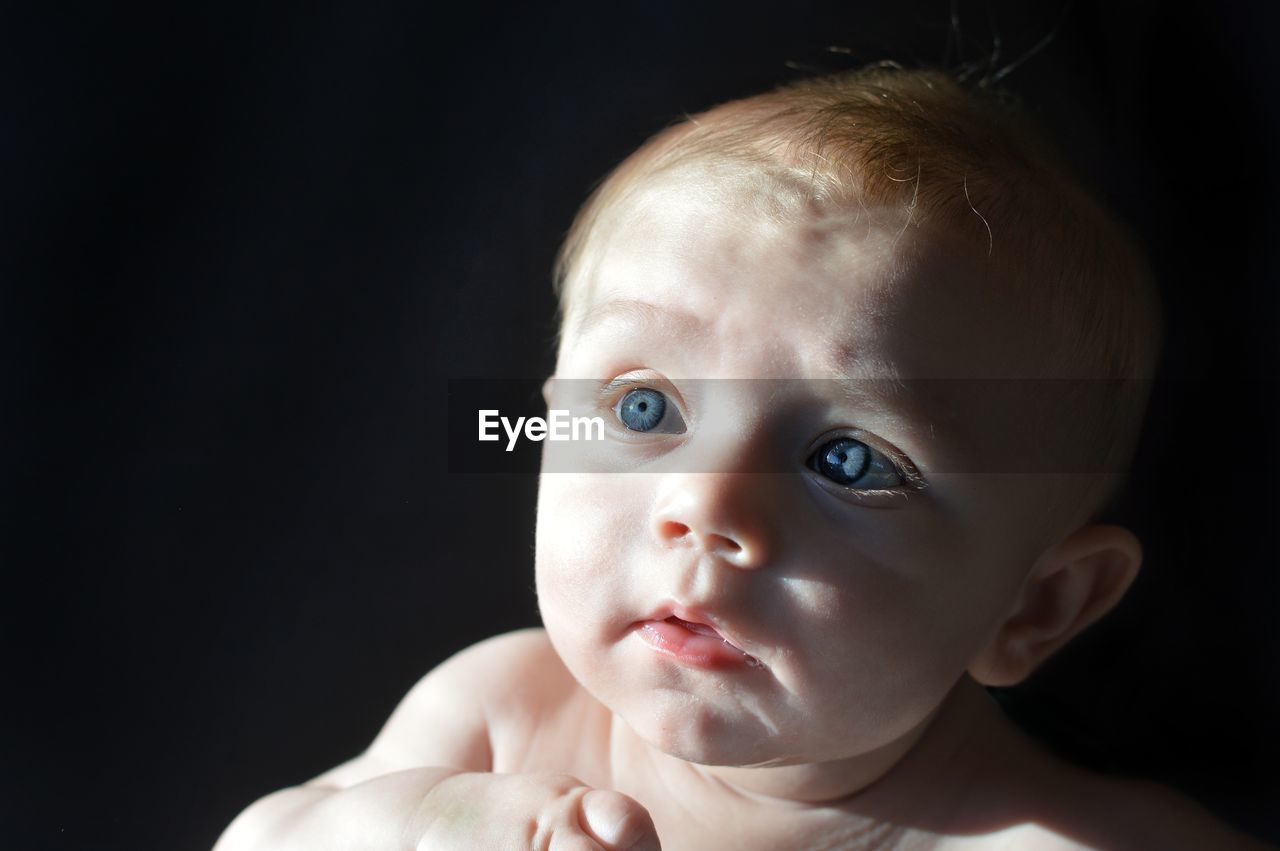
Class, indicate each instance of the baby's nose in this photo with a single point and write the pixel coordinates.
(719, 514)
(673, 531)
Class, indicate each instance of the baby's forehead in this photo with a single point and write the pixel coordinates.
(708, 230)
(770, 208)
(716, 247)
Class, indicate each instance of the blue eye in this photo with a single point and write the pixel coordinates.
(642, 409)
(853, 464)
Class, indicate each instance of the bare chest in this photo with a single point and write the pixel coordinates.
(581, 738)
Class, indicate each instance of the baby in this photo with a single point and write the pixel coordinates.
(870, 365)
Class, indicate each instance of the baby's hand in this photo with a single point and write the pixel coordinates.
(547, 812)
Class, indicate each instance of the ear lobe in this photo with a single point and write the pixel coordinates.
(1072, 585)
(547, 387)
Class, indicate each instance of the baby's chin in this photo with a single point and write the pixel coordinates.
(701, 744)
(691, 730)
(731, 735)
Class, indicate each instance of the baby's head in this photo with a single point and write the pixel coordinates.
(870, 363)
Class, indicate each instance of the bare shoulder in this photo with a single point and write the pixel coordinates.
(1039, 802)
(1172, 819)
(453, 715)
(1116, 813)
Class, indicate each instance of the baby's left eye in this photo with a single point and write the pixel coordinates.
(853, 464)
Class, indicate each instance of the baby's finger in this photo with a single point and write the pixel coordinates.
(619, 823)
(572, 839)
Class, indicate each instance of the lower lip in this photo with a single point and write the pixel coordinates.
(671, 638)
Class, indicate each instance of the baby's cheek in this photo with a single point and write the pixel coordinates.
(885, 643)
(582, 574)
(585, 534)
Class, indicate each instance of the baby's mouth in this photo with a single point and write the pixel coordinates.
(693, 643)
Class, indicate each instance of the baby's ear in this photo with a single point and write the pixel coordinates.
(547, 387)
(1072, 585)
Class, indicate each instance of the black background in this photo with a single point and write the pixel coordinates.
(244, 247)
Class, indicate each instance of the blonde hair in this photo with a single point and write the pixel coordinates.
(963, 160)
(944, 154)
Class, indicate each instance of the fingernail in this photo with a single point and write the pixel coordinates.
(604, 815)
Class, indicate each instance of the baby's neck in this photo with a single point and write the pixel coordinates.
(941, 779)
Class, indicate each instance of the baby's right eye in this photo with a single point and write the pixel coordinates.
(646, 410)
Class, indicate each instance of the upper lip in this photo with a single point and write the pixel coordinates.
(696, 615)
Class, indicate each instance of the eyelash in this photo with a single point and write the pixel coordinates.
(613, 391)
(911, 478)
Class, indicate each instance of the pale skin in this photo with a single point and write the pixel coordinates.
(871, 617)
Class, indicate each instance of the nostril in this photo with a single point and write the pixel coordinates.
(671, 530)
(726, 543)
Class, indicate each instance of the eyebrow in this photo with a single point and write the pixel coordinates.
(637, 312)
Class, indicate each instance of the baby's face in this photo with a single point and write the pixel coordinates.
(784, 512)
